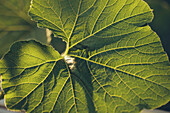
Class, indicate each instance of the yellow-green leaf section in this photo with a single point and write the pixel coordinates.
(35, 78)
(114, 62)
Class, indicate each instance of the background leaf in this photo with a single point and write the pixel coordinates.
(15, 24)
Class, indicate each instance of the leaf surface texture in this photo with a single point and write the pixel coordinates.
(113, 63)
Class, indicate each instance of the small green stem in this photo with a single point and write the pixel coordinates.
(67, 49)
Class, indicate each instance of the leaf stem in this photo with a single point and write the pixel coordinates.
(67, 49)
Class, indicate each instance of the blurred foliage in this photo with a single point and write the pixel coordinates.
(15, 24)
(161, 22)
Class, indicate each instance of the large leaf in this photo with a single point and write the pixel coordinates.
(15, 24)
(113, 62)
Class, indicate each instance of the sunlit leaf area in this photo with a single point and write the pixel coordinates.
(84, 56)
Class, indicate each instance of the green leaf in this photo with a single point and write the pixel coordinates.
(15, 24)
(113, 62)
